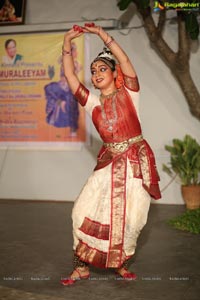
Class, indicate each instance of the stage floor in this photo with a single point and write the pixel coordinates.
(36, 251)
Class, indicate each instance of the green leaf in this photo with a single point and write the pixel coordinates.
(184, 160)
(123, 4)
(167, 170)
(188, 221)
(192, 25)
(144, 4)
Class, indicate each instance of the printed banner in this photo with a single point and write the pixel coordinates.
(36, 104)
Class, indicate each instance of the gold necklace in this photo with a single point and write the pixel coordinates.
(109, 122)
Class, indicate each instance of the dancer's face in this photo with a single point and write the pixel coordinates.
(102, 75)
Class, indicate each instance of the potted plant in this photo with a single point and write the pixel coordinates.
(185, 164)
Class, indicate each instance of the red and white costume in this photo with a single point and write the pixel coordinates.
(113, 206)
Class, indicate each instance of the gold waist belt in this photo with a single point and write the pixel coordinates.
(122, 146)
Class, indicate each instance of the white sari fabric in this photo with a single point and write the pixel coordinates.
(93, 216)
(113, 206)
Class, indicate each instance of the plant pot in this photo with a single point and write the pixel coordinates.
(191, 196)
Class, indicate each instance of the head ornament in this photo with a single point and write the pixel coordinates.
(107, 57)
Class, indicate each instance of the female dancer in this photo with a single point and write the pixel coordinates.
(113, 206)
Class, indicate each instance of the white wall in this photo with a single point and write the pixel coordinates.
(60, 175)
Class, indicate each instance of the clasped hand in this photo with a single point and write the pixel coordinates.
(77, 30)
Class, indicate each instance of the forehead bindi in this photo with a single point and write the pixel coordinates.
(98, 65)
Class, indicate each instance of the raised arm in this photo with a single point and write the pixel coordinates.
(68, 62)
(124, 61)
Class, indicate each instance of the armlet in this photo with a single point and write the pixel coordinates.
(131, 83)
(82, 94)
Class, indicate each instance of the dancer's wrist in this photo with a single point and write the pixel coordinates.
(103, 35)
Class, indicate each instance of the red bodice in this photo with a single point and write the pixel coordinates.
(116, 119)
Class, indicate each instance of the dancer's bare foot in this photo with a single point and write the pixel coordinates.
(80, 272)
(77, 274)
(125, 273)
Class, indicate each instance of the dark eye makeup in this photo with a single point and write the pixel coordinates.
(102, 69)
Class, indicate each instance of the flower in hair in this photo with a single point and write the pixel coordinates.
(106, 54)
(107, 57)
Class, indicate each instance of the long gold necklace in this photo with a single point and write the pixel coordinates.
(109, 122)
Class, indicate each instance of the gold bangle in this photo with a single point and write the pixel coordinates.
(106, 41)
(66, 52)
(109, 43)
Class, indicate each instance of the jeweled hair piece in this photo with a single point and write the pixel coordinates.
(107, 57)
